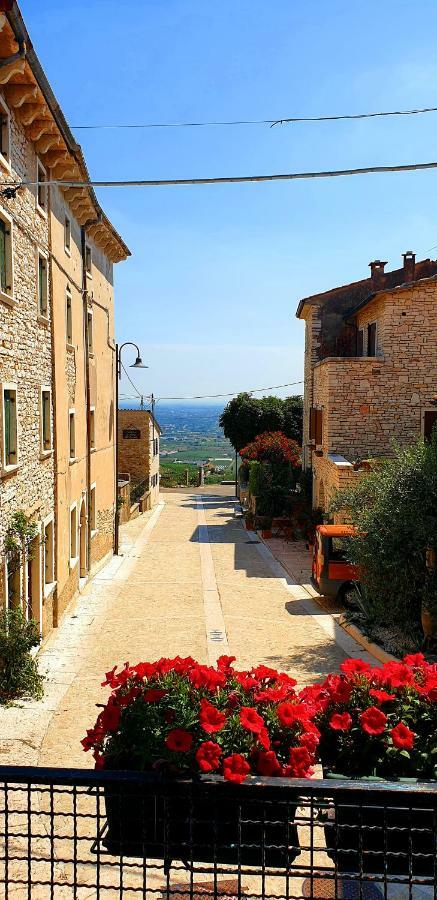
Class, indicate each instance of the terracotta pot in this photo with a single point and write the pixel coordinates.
(429, 623)
(266, 533)
(249, 526)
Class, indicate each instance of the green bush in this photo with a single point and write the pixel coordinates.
(19, 676)
(394, 509)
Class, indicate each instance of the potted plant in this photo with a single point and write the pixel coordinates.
(266, 528)
(249, 520)
(379, 723)
(176, 719)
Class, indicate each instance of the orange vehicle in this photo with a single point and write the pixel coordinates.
(332, 575)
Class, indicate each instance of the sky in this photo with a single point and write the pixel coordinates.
(216, 272)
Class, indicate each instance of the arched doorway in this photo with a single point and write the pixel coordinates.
(83, 566)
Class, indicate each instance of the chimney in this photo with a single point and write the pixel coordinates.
(409, 265)
(377, 274)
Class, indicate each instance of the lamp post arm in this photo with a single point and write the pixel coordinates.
(126, 344)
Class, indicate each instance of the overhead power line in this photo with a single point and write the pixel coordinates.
(11, 187)
(273, 387)
(282, 121)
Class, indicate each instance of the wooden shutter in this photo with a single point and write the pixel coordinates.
(360, 342)
(318, 426)
(10, 412)
(371, 339)
(312, 424)
(3, 255)
(429, 424)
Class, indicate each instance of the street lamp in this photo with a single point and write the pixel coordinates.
(138, 364)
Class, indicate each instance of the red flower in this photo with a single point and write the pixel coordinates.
(299, 763)
(272, 694)
(291, 713)
(373, 720)
(402, 737)
(341, 722)
(235, 768)
(210, 718)
(208, 756)
(110, 717)
(153, 695)
(179, 740)
(251, 720)
(268, 764)
(339, 689)
(246, 680)
(206, 677)
(397, 675)
(263, 673)
(310, 739)
(224, 663)
(264, 739)
(355, 667)
(381, 696)
(415, 659)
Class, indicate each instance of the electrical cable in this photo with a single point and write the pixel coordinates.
(11, 187)
(271, 122)
(272, 387)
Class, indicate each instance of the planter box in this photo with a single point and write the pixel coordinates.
(207, 820)
(379, 834)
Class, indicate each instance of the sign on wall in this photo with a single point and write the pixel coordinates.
(131, 434)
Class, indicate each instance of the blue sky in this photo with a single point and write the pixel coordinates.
(216, 273)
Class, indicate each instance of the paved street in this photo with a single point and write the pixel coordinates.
(191, 581)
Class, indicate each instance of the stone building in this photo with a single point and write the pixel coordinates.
(138, 452)
(57, 351)
(370, 370)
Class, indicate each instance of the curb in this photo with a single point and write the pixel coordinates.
(372, 648)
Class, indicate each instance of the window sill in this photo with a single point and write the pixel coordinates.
(49, 589)
(46, 454)
(89, 275)
(67, 252)
(5, 163)
(94, 532)
(43, 320)
(8, 299)
(70, 347)
(93, 449)
(9, 470)
(73, 562)
(41, 211)
(72, 460)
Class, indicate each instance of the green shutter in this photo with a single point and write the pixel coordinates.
(10, 428)
(2, 255)
(41, 285)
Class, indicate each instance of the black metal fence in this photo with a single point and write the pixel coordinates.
(83, 834)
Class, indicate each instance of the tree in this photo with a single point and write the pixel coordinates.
(394, 510)
(245, 417)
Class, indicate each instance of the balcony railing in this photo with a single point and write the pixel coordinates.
(83, 834)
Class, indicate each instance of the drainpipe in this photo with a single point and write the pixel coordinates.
(87, 392)
(54, 429)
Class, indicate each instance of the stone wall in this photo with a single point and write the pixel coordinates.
(136, 454)
(26, 360)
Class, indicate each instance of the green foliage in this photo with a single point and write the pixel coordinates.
(175, 475)
(19, 535)
(394, 509)
(19, 676)
(245, 417)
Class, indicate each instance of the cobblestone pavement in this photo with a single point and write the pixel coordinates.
(191, 581)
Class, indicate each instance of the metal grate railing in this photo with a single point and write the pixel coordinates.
(83, 834)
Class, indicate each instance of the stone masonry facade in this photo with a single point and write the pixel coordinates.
(57, 346)
(369, 402)
(138, 450)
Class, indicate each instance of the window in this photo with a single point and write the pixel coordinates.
(93, 511)
(41, 188)
(72, 433)
(48, 554)
(360, 342)
(88, 260)
(90, 332)
(73, 534)
(5, 134)
(92, 429)
(429, 425)
(316, 425)
(371, 339)
(155, 447)
(67, 235)
(43, 285)
(68, 317)
(46, 420)
(5, 255)
(10, 439)
(13, 583)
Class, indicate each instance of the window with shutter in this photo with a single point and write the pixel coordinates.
(312, 424)
(360, 342)
(429, 425)
(371, 339)
(68, 318)
(318, 427)
(42, 286)
(3, 266)
(10, 425)
(46, 421)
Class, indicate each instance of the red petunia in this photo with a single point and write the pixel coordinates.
(246, 680)
(268, 764)
(263, 673)
(206, 677)
(224, 663)
(208, 756)
(153, 695)
(341, 721)
(110, 717)
(210, 718)
(299, 763)
(179, 740)
(373, 720)
(235, 768)
(264, 739)
(381, 696)
(291, 713)
(355, 667)
(415, 659)
(339, 689)
(251, 720)
(397, 675)
(402, 737)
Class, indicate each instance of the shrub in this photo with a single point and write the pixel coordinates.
(19, 676)
(177, 716)
(393, 508)
(273, 446)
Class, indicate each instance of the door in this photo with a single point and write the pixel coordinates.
(83, 541)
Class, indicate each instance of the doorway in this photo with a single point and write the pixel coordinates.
(83, 566)
(33, 581)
